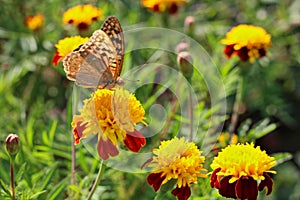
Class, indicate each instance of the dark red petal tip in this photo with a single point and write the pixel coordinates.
(246, 188)
(227, 189)
(106, 149)
(134, 141)
(155, 180)
(267, 183)
(182, 193)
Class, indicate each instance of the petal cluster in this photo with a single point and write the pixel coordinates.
(163, 5)
(67, 45)
(179, 160)
(82, 16)
(247, 41)
(34, 22)
(240, 170)
(112, 115)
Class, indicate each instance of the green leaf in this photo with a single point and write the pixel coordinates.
(48, 176)
(4, 187)
(282, 157)
(57, 189)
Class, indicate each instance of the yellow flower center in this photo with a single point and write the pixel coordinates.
(178, 159)
(111, 113)
(82, 14)
(243, 160)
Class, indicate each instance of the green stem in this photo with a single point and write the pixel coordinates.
(191, 115)
(97, 181)
(236, 107)
(12, 179)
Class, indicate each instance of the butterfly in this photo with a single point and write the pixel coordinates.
(98, 62)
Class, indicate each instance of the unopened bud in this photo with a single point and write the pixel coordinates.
(12, 144)
(185, 60)
(182, 46)
(189, 24)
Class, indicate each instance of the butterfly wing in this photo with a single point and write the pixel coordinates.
(113, 29)
(88, 66)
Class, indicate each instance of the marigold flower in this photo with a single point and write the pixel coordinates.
(247, 41)
(34, 22)
(67, 45)
(82, 16)
(163, 5)
(180, 160)
(112, 114)
(240, 171)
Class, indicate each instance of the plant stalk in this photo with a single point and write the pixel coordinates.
(97, 180)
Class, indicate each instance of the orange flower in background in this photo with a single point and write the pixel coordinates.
(163, 5)
(67, 45)
(247, 41)
(34, 22)
(178, 160)
(112, 115)
(240, 171)
(82, 16)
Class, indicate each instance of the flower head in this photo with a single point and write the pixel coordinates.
(67, 45)
(179, 160)
(240, 171)
(82, 16)
(12, 144)
(247, 41)
(112, 114)
(34, 22)
(162, 5)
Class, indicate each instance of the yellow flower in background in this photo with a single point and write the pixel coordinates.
(240, 171)
(34, 22)
(82, 16)
(247, 41)
(163, 5)
(112, 115)
(179, 160)
(67, 45)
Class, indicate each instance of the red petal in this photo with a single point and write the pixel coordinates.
(228, 50)
(182, 193)
(134, 141)
(227, 189)
(246, 188)
(214, 183)
(173, 8)
(56, 58)
(77, 131)
(155, 180)
(106, 149)
(267, 183)
(243, 54)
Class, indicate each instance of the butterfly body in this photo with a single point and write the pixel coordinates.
(98, 62)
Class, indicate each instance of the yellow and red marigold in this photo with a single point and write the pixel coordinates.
(67, 45)
(82, 16)
(178, 160)
(34, 22)
(240, 171)
(112, 115)
(163, 5)
(247, 41)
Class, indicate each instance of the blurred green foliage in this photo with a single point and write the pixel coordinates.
(35, 96)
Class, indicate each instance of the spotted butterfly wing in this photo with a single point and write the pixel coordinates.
(98, 62)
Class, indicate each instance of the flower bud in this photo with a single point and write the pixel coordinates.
(12, 144)
(184, 60)
(182, 46)
(189, 24)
